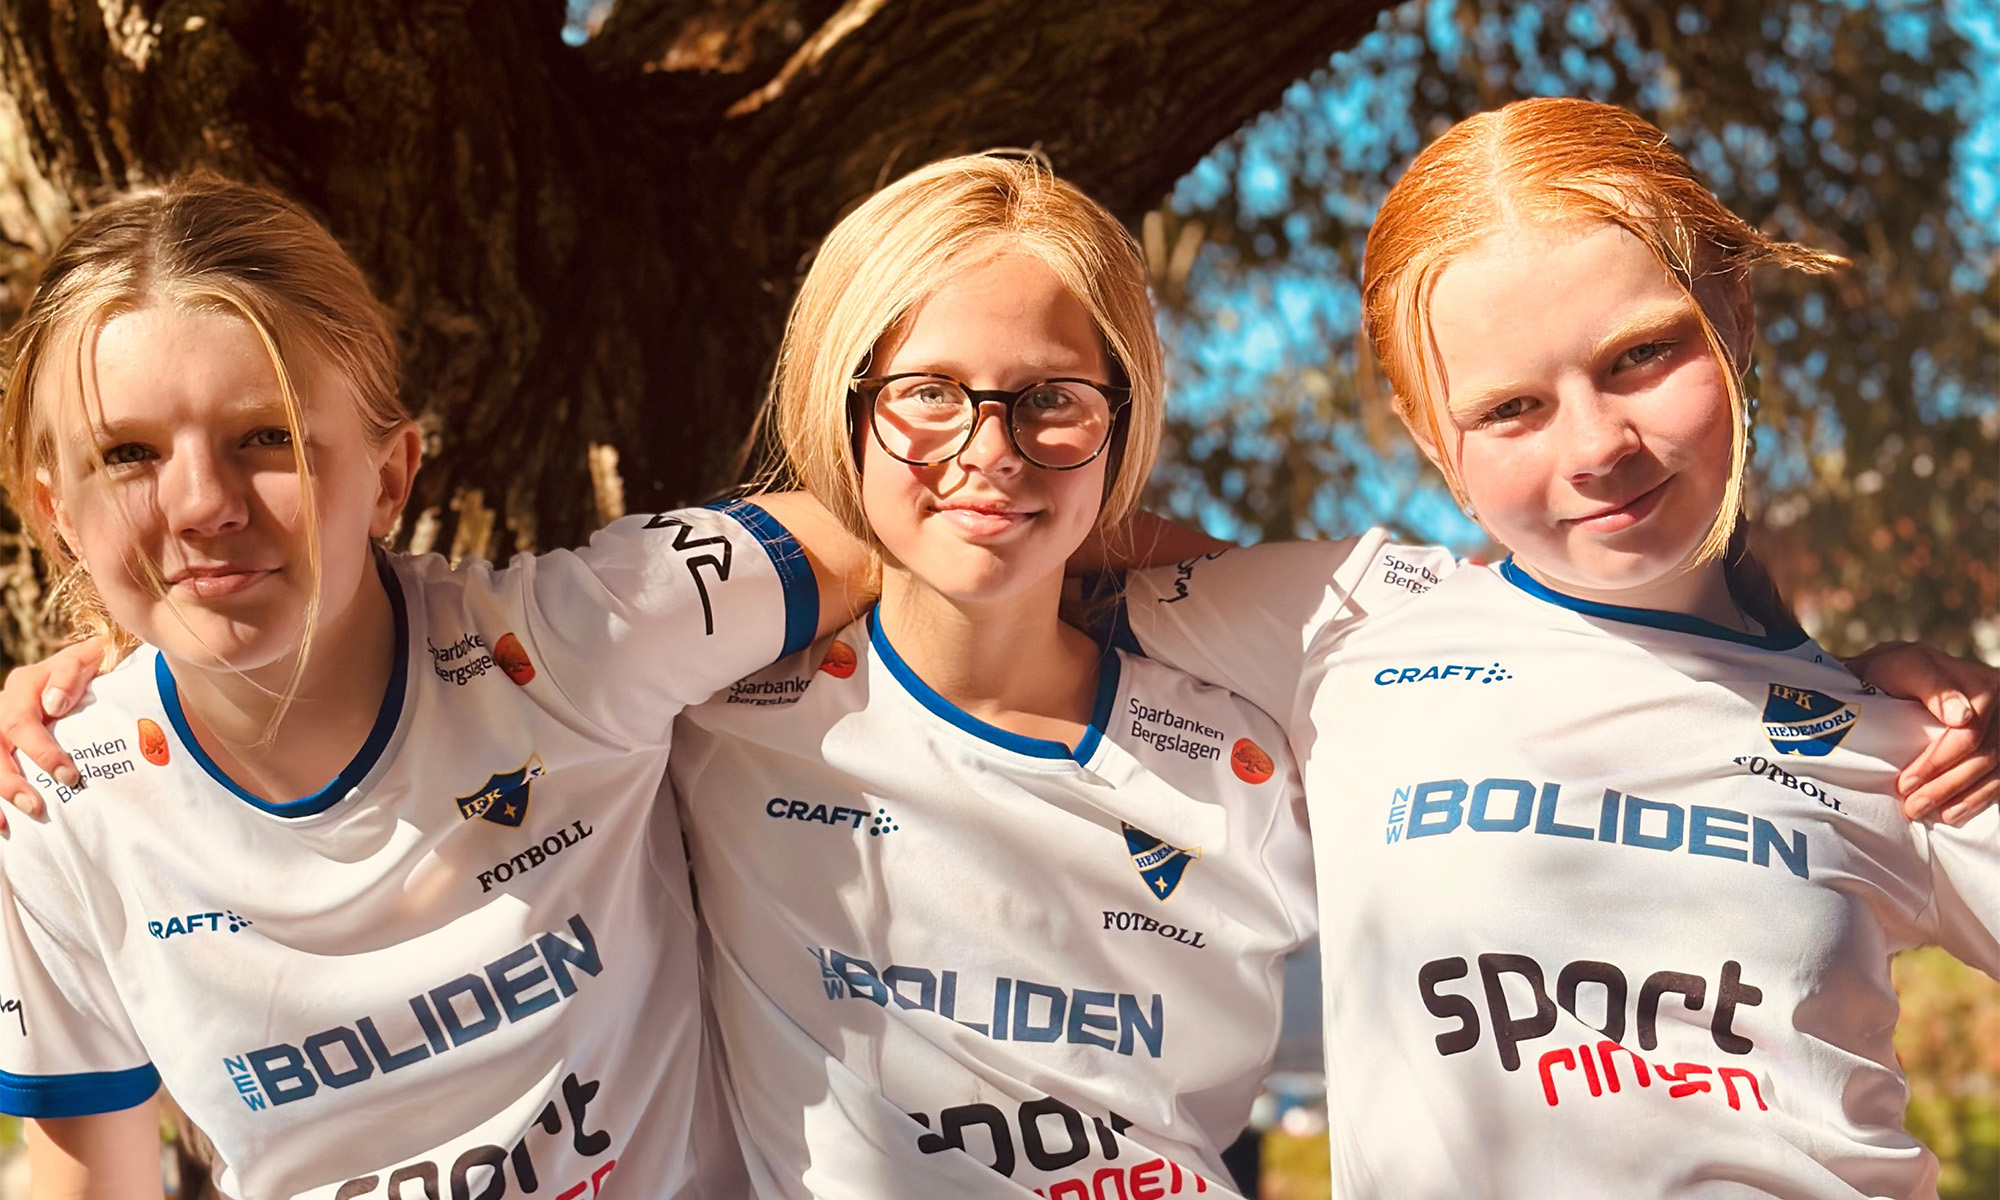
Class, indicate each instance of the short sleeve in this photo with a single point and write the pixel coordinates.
(1965, 874)
(1251, 619)
(657, 613)
(67, 1048)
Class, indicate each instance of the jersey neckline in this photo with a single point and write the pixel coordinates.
(1018, 743)
(386, 719)
(1781, 639)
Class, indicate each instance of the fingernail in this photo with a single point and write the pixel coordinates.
(67, 776)
(1958, 710)
(54, 702)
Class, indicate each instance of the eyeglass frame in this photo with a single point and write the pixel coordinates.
(1120, 397)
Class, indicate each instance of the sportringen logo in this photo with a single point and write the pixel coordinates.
(1804, 722)
(1162, 866)
(503, 798)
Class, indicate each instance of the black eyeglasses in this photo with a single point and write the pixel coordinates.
(1055, 424)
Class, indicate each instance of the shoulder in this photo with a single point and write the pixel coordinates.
(779, 694)
(1176, 725)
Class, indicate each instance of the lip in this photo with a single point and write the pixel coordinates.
(212, 582)
(983, 520)
(1622, 516)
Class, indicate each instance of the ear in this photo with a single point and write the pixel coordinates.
(50, 511)
(396, 465)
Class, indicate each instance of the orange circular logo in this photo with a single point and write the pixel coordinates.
(152, 742)
(839, 660)
(513, 660)
(1250, 762)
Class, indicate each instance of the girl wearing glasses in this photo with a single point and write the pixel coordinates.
(992, 912)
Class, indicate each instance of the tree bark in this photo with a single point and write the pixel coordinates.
(595, 246)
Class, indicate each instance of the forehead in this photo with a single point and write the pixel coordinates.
(1008, 310)
(1531, 296)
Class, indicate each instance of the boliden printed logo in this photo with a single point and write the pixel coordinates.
(1250, 762)
(542, 972)
(503, 798)
(1184, 575)
(1053, 1138)
(1171, 733)
(1133, 922)
(1442, 673)
(9, 1004)
(1022, 1010)
(714, 554)
(1446, 806)
(878, 824)
(208, 922)
(1160, 865)
(152, 742)
(1764, 768)
(1524, 1012)
(535, 855)
(1802, 721)
(839, 661)
(492, 1162)
(513, 660)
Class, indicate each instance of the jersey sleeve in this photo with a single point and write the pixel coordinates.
(658, 612)
(1965, 875)
(67, 1048)
(1252, 619)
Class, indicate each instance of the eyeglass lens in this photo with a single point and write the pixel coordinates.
(1055, 425)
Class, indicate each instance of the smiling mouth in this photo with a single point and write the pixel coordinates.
(981, 521)
(1626, 515)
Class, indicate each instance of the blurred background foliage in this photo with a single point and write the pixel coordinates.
(1858, 126)
(1866, 127)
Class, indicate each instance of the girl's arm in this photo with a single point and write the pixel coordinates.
(109, 1156)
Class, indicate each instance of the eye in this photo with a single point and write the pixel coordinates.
(270, 435)
(1507, 410)
(126, 454)
(1647, 352)
(1049, 399)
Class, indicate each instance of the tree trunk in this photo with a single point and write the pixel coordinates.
(594, 246)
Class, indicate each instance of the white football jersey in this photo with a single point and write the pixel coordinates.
(1607, 896)
(950, 960)
(468, 966)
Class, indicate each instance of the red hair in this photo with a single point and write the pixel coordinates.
(1551, 160)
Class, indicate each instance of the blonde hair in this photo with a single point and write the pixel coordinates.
(202, 243)
(1552, 160)
(883, 259)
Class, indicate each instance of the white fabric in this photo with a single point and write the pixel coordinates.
(885, 879)
(475, 953)
(1553, 845)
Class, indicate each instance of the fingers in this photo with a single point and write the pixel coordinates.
(70, 673)
(1961, 779)
(1974, 802)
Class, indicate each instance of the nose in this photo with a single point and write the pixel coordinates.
(202, 494)
(1597, 436)
(988, 448)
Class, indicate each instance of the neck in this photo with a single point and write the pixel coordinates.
(1011, 663)
(333, 708)
(1700, 591)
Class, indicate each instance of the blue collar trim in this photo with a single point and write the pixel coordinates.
(357, 769)
(1781, 639)
(1033, 747)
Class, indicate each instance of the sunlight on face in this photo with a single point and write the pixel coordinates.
(986, 525)
(1587, 415)
(180, 493)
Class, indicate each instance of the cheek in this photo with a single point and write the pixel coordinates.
(1506, 481)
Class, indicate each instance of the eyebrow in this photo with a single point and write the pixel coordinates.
(1654, 319)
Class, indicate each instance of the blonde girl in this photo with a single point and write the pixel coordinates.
(992, 912)
(1611, 864)
(368, 872)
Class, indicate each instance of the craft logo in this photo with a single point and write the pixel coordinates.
(839, 660)
(1443, 672)
(503, 799)
(152, 742)
(513, 660)
(1250, 762)
(879, 824)
(210, 922)
(1805, 722)
(1159, 864)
